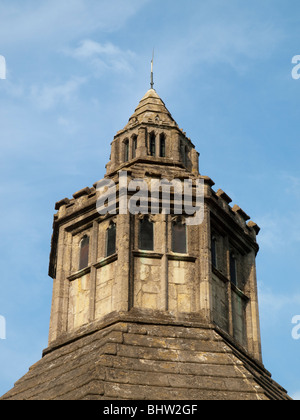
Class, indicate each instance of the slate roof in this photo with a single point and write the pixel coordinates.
(125, 359)
(151, 108)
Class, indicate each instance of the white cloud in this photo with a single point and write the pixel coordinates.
(273, 303)
(12, 88)
(227, 37)
(272, 231)
(279, 227)
(281, 223)
(90, 49)
(106, 56)
(232, 42)
(48, 96)
(31, 22)
(277, 308)
(69, 125)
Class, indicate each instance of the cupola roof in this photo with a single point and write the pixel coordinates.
(151, 109)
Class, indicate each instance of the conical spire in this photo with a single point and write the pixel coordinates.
(152, 134)
(151, 109)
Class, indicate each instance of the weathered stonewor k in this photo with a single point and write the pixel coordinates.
(148, 306)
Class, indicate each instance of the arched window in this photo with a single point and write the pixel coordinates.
(152, 144)
(84, 252)
(162, 145)
(126, 150)
(233, 271)
(214, 251)
(179, 237)
(134, 146)
(146, 235)
(111, 239)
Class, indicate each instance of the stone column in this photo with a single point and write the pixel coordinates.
(205, 267)
(164, 222)
(93, 275)
(252, 312)
(59, 309)
(176, 148)
(114, 158)
(195, 161)
(120, 298)
(142, 150)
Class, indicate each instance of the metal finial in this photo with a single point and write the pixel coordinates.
(152, 83)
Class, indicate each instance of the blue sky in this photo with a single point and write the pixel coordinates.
(77, 69)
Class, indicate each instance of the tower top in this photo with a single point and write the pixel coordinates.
(136, 295)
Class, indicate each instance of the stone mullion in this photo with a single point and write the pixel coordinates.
(93, 274)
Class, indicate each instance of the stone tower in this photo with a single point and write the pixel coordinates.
(147, 305)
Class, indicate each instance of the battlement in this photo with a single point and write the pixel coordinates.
(87, 197)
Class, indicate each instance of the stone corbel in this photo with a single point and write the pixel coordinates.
(178, 219)
(152, 217)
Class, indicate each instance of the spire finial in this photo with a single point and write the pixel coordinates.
(152, 83)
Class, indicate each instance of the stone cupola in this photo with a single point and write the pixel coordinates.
(151, 135)
(146, 305)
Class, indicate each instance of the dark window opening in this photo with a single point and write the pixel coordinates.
(214, 251)
(84, 253)
(111, 240)
(162, 151)
(181, 148)
(134, 146)
(126, 150)
(179, 243)
(152, 144)
(146, 237)
(233, 273)
(186, 155)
